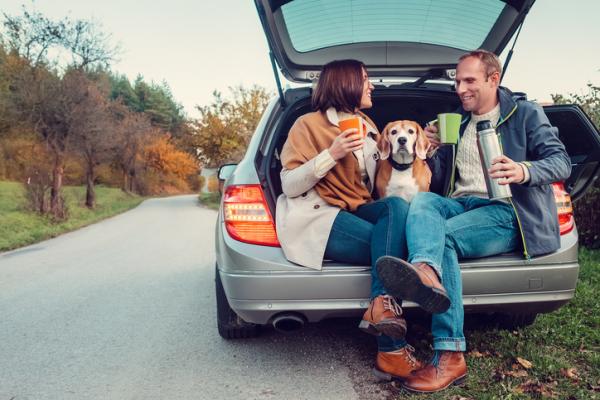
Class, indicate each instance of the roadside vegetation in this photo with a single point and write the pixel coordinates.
(68, 120)
(20, 227)
(211, 200)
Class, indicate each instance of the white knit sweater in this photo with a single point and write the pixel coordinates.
(471, 181)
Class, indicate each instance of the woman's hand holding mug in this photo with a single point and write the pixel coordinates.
(347, 141)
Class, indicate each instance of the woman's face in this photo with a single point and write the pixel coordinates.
(365, 100)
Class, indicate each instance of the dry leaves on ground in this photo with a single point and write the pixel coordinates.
(500, 375)
(570, 373)
(477, 354)
(525, 363)
(535, 387)
(520, 373)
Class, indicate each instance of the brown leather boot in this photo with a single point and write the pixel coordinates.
(384, 317)
(396, 364)
(451, 369)
(418, 283)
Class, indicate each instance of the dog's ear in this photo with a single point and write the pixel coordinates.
(423, 144)
(383, 143)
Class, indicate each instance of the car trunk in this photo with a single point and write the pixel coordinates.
(422, 104)
(391, 103)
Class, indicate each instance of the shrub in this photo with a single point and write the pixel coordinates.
(37, 190)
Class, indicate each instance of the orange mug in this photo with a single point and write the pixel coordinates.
(356, 123)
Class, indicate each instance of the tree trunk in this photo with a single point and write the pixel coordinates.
(132, 181)
(125, 186)
(56, 206)
(90, 194)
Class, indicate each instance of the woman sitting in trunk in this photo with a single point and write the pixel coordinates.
(326, 209)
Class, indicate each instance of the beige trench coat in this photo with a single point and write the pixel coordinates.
(303, 218)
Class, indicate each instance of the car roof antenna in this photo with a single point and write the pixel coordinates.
(510, 53)
(277, 80)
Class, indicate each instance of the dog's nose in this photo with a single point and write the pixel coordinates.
(402, 141)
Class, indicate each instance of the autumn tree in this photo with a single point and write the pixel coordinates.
(91, 124)
(169, 168)
(132, 131)
(225, 127)
(38, 92)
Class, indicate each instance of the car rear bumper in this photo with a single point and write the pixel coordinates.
(260, 283)
(258, 297)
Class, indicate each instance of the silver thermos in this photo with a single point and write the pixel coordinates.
(488, 143)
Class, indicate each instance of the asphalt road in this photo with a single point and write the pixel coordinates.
(125, 309)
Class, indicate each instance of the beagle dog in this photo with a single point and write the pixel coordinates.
(402, 170)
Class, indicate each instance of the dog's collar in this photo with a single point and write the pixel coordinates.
(397, 166)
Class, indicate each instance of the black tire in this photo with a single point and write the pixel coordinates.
(516, 321)
(229, 324)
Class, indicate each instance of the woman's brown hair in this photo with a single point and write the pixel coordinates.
(340, 85)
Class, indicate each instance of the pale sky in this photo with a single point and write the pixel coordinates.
(198, 46)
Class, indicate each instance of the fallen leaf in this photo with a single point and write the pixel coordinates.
(517, 374)
(531, 386)
(525, 363)
(476, 354)
(570, 373)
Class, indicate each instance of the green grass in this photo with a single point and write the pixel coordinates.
(557, 342)
(20, 227)
(210, 200)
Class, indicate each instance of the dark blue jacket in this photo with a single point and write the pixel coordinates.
(528, 137)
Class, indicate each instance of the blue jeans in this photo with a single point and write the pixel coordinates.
(441, 230)
(375, 229)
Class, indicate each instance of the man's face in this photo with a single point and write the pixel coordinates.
(476, 90)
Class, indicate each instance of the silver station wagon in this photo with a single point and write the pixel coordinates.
(410, 50)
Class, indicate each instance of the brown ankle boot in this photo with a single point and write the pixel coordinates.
(384, 317)
(396, 364)
(451, 369)
(418, 283)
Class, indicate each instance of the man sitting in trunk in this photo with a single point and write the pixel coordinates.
(467, 224)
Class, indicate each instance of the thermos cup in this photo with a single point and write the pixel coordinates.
(488, 143)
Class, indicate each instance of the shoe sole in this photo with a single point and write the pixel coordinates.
(402, 281)
(457, 382)
(391, 328)
(386, 376)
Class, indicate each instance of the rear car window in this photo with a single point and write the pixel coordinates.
(462, 24)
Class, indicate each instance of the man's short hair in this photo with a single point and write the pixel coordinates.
(489, 60)
(340, 85)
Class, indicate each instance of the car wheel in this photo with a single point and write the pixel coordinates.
(515, 321)
(230, 325)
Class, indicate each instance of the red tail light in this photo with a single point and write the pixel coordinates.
(247, 216)
(564, 207)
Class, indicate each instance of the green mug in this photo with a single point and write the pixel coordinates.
(448, 127)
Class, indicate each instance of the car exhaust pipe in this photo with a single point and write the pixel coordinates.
(287, 322)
